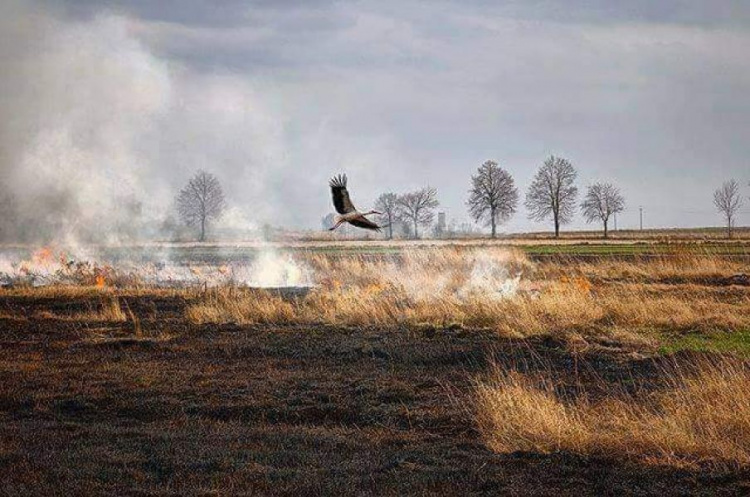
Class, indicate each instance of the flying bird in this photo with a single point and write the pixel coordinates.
(345, 207)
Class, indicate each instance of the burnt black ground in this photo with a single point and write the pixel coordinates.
(90, 409)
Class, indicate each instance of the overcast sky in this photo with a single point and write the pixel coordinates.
(277, 96)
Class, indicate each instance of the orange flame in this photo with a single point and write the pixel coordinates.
(100, 281)
(44, 255)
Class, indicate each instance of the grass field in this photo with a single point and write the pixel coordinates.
(453, 369)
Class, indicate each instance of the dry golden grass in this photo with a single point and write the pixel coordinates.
(681, 267)
(223, 305)
(56, 291)
(108, 310)
(498, 289)
(703, 418)
(69, 291)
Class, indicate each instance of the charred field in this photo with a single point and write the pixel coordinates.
(449, 370)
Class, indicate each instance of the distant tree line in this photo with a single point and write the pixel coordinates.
(552, 195)
(493, 196)
(492, 200)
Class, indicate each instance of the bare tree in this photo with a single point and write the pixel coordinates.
(493, 196)
(602, 201)
(387, 203)
(405, 228)
(328, 221)
(552, 192)
(727, 200)
(418, 207)
(200, 201)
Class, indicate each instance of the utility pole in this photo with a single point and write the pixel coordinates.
(641, 210)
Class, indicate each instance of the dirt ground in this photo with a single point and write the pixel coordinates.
(176, 409)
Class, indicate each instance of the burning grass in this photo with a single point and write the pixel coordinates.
(418, 286)
(497, 289)
(489, 287)
(701, 418)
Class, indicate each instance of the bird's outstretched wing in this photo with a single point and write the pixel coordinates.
(363, 222)
(340, 194)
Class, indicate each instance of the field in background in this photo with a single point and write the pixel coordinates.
(580, 244)
(442, 368)
(594, 235)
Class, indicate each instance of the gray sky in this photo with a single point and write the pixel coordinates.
(275, 97)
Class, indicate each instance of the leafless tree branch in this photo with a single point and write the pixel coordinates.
(387, 203)
(728, 201)
(200, 201)
(601, 202)
(418, 207)
(552, 193)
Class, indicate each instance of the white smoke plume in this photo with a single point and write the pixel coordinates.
(97, 133)
(490, 276)
(486, 273)
(271, 269)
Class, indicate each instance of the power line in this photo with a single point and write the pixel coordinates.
(641, 211)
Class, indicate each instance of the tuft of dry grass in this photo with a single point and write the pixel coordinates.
(703, 418)
(109, 310)
(227, 306)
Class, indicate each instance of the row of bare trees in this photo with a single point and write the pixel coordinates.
(493, 197)
(416, 208)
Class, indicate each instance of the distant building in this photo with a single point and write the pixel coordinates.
(441, 222)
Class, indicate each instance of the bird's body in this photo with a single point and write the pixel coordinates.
(344, 206)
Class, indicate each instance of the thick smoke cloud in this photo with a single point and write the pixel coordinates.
(77, 105)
